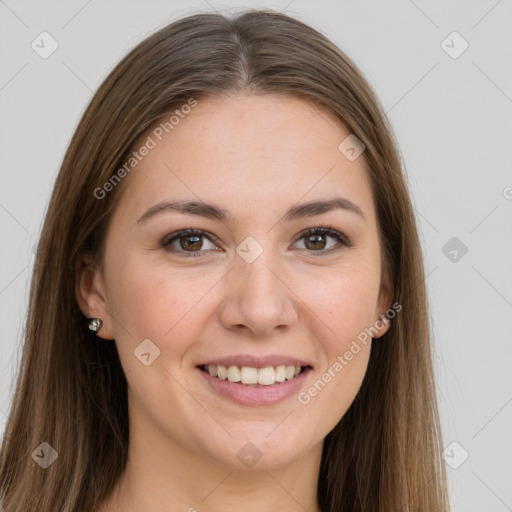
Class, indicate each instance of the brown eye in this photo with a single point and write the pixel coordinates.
(189, 241)
(192, 242)
(316, 239)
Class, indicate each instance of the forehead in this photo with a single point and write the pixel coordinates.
(244, 150)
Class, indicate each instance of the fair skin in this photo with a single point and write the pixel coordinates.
(255, 157)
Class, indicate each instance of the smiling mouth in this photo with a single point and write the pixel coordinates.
(252, 376)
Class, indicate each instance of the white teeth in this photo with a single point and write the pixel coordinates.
(280, 373)
(266, 376)
(290, 372)
(222, 372)
(250, 375)
(233, 374)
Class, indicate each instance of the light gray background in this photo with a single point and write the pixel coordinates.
(452, 118)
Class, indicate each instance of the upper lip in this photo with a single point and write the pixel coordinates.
(255, 361)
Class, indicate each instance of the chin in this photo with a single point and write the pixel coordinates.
(263, 449)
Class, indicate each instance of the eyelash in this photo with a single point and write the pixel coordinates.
(320, 230)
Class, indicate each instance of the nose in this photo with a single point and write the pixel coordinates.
(257, 298)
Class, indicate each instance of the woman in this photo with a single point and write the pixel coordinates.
(228, 308)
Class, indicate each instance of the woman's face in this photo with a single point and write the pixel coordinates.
(251, 289)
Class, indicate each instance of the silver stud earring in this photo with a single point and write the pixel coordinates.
(95, 324)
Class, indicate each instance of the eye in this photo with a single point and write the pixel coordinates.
(316, 239)
(190, 241)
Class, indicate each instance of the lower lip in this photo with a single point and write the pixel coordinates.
(254, 395)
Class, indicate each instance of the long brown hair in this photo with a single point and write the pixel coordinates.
(384, 455)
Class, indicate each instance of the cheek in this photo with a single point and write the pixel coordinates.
(344, 307)
(144, 302)
(343, 300)
(152, 301)
(331, 393)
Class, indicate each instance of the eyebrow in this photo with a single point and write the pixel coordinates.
(213, 212)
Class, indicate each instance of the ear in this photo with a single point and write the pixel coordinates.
(384, 302)
(91, 296)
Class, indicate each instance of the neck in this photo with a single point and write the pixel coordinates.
(163, 475)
